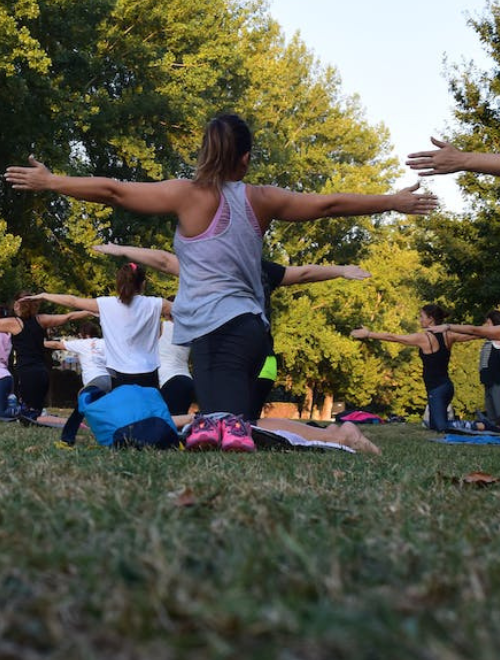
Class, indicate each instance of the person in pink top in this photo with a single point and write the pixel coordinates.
(6, 379)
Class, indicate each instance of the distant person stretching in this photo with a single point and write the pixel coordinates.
(434, 350)
(27, 329)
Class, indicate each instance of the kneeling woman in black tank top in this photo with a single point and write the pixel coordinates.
(434, 351)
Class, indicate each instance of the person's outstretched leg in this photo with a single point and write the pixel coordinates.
(347, 434)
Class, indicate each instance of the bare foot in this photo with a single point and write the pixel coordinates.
(351, 436)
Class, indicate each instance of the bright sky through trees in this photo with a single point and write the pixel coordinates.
(392, 54)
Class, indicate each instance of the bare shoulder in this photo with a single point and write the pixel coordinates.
(267, 201)
(173, 186)
(266, 194)
(11, 325)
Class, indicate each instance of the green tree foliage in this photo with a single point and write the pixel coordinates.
(108, 87)
(123, 88)
(464, 372)
(9, 247)
(469, 245)
(313, 325)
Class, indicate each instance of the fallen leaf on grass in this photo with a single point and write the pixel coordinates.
(480, 478)
(473, 478)
(186, 498)
(32, 449)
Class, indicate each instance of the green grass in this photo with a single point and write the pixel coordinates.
(281, 556)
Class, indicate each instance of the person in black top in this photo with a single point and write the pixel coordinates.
(489, 370)
(273, 276)
(490, 375)
(434, 349)
(27, 328)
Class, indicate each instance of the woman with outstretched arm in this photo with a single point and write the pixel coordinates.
(434, 347)
(27, 328)
(130, 325)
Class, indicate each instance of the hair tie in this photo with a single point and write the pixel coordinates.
(133, 266)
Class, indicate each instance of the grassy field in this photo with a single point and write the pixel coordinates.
(281, 556)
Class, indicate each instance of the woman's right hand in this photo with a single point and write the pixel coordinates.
(35, 177)
(351, 272)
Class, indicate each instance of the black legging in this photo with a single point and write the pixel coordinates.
(149, 379)
(178, 394)
(226, 363)
(262, 388)
(33, 384)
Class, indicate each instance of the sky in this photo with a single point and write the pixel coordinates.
(391, 53)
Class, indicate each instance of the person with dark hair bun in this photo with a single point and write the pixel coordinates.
(130, 325)
(219, 308)
(434, 346)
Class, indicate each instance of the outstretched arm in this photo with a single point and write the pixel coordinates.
(67, 300)
(469, 331)
(161, 260)
(152, 198)
(270, 202)
(54, 345)
(416, 339)
(447, 159)
(55, 320)
(315, 273)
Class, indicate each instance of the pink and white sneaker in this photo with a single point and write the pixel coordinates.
(236, 435)
(205, 434)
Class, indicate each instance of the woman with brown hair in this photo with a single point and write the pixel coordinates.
(219, 308)
(28, 331)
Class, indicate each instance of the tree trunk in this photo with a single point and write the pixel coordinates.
(308, 403)
(326, 409)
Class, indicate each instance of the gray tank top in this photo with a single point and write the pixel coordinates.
(220, 270)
